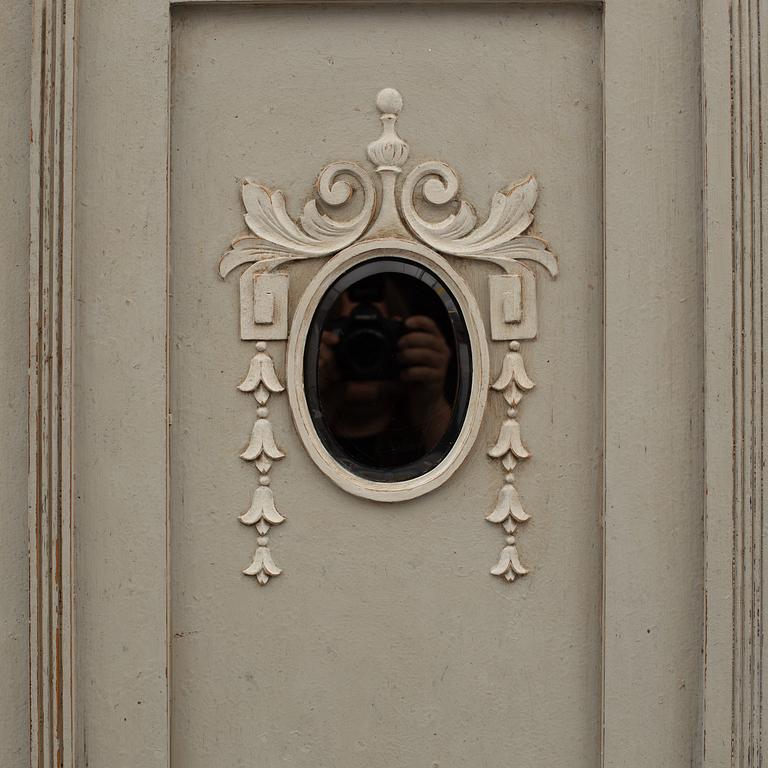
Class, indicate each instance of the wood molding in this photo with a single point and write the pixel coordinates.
(50, 385)
(733, 71)
(748, 344)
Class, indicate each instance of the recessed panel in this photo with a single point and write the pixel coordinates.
(386, 642)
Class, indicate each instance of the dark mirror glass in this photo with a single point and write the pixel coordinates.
(388, 370)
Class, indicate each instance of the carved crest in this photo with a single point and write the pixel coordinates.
(386, 210)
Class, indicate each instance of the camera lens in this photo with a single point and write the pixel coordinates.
(366, 350)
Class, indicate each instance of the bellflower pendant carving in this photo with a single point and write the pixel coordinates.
(508, 512)
(262, 450)
(388, 219)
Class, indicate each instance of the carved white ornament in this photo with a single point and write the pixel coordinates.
(262, 450)
(388, 219)
(508, 512)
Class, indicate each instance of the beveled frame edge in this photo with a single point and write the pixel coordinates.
(733, 68)
(50, 494)
(335, 267)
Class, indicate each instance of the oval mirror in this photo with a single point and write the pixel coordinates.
(388, 370)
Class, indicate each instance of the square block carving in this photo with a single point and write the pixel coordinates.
(263, 305)
(513, 304)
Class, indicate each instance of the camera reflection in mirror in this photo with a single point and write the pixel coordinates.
(389, 369)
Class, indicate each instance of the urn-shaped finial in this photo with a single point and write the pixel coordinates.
(389, 151)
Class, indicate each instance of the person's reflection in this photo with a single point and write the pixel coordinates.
(382, 373)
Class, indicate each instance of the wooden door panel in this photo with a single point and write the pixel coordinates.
(385, 641)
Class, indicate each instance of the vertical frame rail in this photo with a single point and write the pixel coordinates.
(734, 71)
(50, 385)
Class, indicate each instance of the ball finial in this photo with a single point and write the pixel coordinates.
(389, 101)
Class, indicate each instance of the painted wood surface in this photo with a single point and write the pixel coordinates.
(15, 57)
(654, 458)
(385, 640)
(654, 555)
(121, 413)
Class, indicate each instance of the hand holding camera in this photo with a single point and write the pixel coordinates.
(384, 372)
(366, 346)
(423, 354)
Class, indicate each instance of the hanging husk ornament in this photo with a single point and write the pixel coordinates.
(513, 380)
(261, 378)
(509, 565)
(508, 505)
(262, 508)
(263, 566)
(262, 442)
(509, 440)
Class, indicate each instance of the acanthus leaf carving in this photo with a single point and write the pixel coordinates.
(499, 239)
(276, 238)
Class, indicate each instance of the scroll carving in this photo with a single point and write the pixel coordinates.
(503, 240)
(274, 237)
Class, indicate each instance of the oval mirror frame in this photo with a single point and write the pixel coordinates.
(305, 312)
